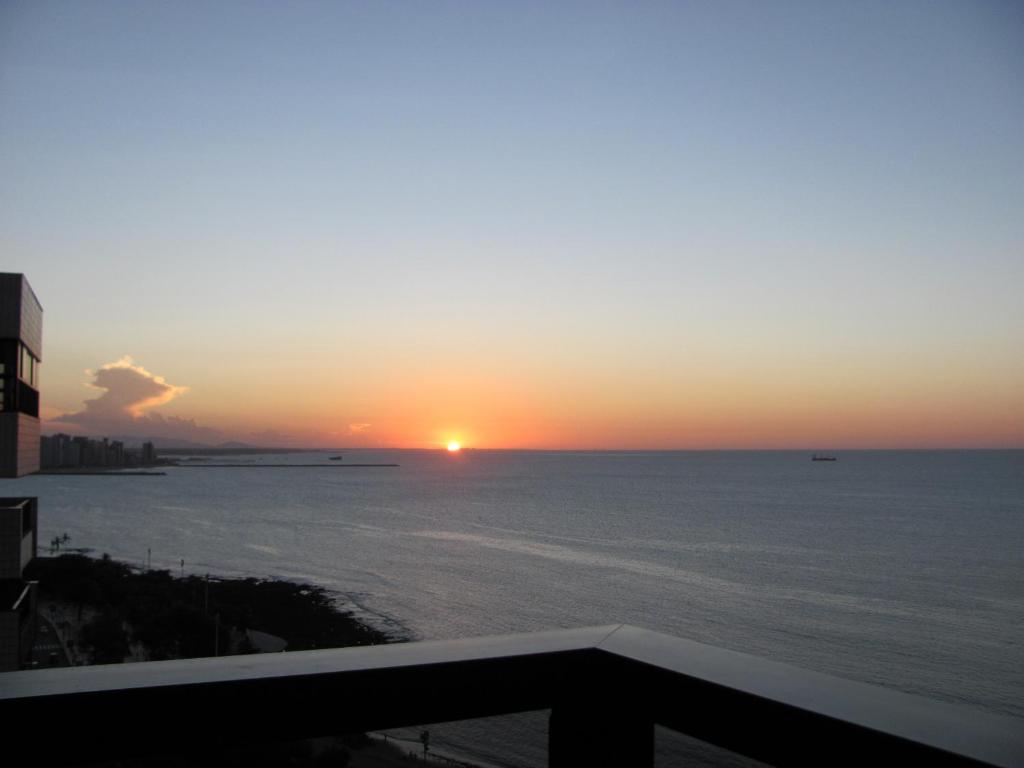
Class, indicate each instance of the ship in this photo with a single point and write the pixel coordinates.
(822, 457)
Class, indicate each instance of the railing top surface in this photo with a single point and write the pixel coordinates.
(226, 669)
(984, 736)
(631, 664)
(14, 502)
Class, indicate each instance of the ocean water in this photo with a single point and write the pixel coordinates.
(899, 568)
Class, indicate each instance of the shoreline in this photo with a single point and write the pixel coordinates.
(281, 466)
(151, 614)
(101, 611)
(115, 472)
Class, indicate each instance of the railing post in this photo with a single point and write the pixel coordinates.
(588, 733)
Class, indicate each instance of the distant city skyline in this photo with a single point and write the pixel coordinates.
(532, 225)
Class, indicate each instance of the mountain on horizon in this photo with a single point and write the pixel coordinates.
(232, 444)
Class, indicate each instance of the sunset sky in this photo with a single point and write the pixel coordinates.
(547, 225)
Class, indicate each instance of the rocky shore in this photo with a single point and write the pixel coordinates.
(113, 612)
(102, 611)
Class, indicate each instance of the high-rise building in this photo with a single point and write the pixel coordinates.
(21, 352)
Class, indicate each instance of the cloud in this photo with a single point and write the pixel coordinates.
(130, 392)
(358, 429)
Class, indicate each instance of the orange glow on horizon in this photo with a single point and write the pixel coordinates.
(716, 404)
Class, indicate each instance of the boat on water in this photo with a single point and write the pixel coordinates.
(822, 457)
(334, 458)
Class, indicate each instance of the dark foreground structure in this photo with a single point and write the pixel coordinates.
(19, 533)
(606, 687)
(21, 353)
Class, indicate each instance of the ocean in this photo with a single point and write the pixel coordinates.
(898, 568)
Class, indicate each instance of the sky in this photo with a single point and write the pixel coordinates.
(522, 225)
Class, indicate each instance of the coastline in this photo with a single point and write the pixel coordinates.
(97, 610)
(116, 612)
(104, 471)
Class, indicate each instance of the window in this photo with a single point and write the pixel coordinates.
(28, 368)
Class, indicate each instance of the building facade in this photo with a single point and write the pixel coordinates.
(62, 451)
(19, 536)
(21, 353)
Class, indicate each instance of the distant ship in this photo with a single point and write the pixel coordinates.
(822, 457)
(334, 458)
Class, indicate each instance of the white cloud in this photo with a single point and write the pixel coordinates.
(129, 394)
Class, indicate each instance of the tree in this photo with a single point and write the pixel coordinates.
(106, 639)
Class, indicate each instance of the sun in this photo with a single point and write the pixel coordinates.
(454, 447)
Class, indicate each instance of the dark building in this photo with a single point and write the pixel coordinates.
(21, 352)
(21, 344)
(62, 451)
(18, 539)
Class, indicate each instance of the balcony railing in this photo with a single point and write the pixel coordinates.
(606, 687)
